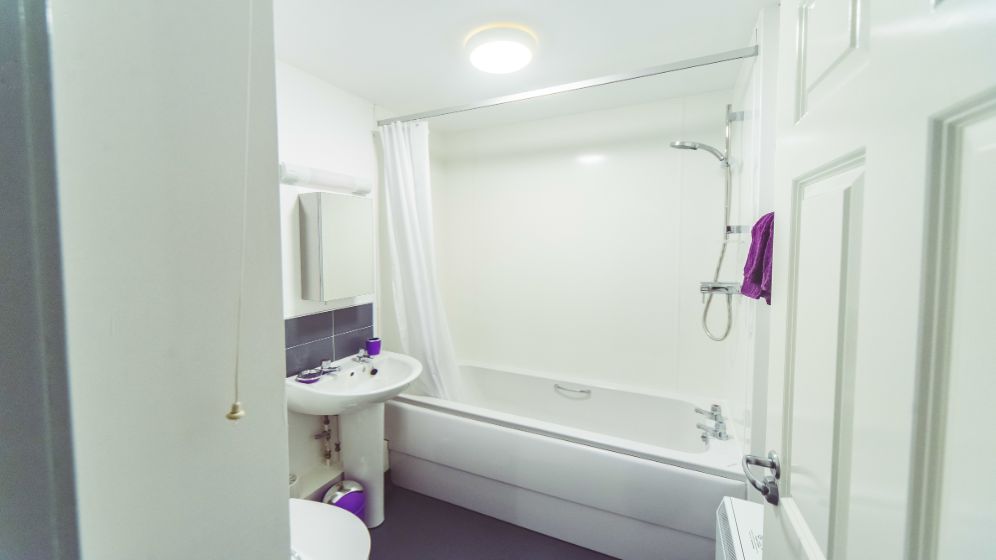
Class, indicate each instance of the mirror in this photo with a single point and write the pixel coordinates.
(337, 246)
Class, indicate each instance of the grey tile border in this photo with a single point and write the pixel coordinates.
(353, 318)
(308, 328)
(329, 335)
(309, 355)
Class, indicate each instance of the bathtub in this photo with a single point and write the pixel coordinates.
(616, 471)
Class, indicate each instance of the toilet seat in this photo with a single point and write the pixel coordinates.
(323, 532)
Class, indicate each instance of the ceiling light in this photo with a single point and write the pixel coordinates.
(500, 48)
(590, 159)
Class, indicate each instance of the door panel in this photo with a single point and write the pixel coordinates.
(954, 513)
(968, 489)
(829, 32)
(884, 437)
(826, 225)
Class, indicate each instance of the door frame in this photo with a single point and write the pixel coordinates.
(35, 423)
(933, 362)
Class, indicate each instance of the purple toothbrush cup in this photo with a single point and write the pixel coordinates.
(373, 346)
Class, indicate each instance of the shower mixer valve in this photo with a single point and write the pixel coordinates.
(719, 288)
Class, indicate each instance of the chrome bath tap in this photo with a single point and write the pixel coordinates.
(716, 431)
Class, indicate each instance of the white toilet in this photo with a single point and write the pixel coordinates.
(323, 532)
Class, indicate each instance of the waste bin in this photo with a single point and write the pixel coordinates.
(347, 495)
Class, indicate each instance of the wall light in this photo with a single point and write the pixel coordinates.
(500, 48)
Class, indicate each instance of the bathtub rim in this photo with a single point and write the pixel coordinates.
(603, 385)
(722, 458)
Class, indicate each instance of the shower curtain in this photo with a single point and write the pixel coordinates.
(418, 308)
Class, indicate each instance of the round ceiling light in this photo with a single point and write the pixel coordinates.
(500, 48)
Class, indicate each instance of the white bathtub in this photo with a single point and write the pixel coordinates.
(612, 470)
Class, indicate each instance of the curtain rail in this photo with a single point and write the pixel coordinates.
(736, 54)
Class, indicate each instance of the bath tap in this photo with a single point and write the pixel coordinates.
(717, 432)
(714, 413)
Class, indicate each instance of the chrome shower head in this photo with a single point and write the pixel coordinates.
(687, 145)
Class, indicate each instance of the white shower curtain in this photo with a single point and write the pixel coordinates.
(418, 308)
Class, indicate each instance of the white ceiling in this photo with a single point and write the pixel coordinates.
(407, 55)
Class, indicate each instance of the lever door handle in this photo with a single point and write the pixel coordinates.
(768, 487)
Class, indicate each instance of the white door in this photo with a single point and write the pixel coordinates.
(884, 345)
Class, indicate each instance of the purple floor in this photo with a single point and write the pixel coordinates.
(422, 528)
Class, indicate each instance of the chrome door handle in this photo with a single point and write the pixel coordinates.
(768, 487)
(560, 387)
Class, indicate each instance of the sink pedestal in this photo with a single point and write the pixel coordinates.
(362, 438)
(355, 390)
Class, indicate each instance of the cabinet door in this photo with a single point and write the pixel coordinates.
(337, 246)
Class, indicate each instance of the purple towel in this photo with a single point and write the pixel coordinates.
(757, 271)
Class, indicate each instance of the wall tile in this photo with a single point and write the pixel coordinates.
(347, 344)
(308, 328)
(331, 335)
(309, 355)
(352, 318)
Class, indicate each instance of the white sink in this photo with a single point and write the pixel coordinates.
(354, 386)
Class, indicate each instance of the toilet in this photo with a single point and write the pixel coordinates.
(323, 532)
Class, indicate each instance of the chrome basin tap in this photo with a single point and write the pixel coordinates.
(362, 356)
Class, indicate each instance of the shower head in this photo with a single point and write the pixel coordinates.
(686, 145)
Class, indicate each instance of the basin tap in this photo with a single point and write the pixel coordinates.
(328, 369)
(362, 356)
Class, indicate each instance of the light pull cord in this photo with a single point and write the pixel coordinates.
(236, 412)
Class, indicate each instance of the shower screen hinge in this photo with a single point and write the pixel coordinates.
(731, 230)
(734, 116)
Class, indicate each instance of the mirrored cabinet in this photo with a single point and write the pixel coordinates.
(337, 246)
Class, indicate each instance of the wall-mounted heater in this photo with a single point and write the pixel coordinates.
(301, 176)
(739, 530)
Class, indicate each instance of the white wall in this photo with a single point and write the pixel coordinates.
(150, 129)
(589, 267)
(324, 127)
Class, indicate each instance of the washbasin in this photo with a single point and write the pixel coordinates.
(355, 385)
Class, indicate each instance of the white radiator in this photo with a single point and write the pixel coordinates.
(739, 530)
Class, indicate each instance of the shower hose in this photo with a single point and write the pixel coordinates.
(719, 265)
